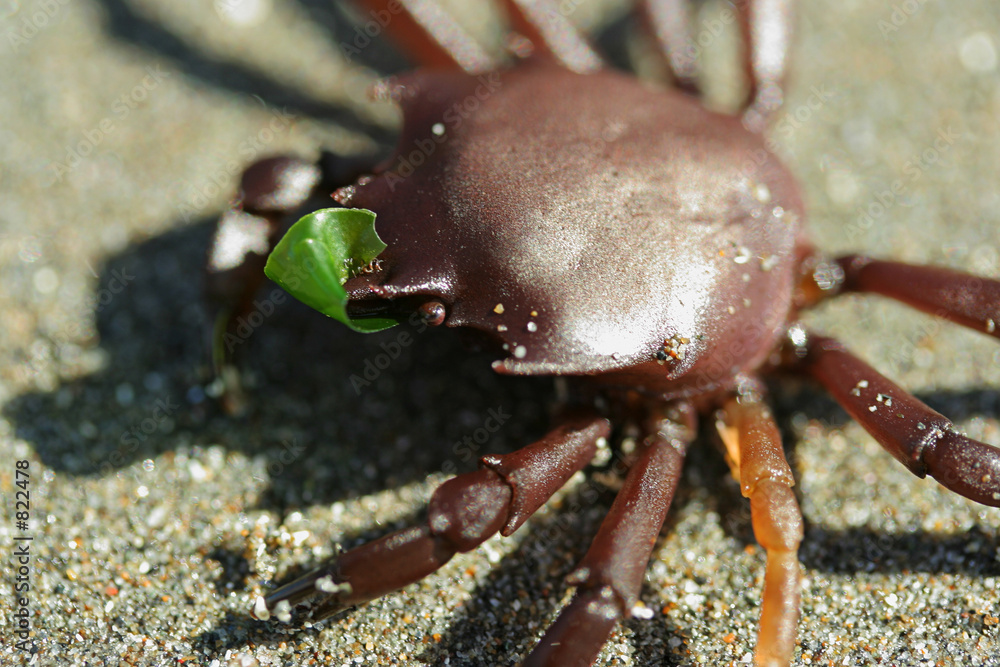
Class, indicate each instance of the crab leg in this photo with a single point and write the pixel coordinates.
(669, 22)
(272, 192)
(767, 33)
(462, 513)
(920, 438)
(610, 575)
(757, 460)
(547, 26)
(429, 35)
(245, 234)
(963, 298)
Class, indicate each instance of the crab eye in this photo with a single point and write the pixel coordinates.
(433, 313)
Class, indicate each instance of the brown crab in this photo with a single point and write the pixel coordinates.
(621, 236)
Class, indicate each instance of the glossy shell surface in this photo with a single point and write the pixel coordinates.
(590, 224)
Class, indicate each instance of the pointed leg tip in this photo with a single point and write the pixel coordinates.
(317, 589)
(259, 611)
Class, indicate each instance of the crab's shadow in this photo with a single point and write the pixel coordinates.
(125, 24)
(335, 414)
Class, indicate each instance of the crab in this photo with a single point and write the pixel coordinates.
(646, 251)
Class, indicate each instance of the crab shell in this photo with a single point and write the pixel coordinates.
(590, 224)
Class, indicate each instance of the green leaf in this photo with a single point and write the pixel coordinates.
(317, 256)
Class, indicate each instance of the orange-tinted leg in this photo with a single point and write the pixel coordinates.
(755, 455)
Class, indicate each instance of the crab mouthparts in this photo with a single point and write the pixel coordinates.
(371, 308)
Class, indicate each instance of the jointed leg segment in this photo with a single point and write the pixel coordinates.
(965, 299)
(429, 35)
(669, 22)
(610, 576)
(923, 440)
(766, 26)
(273, 192)
(551, 33)
(758, 462)
(463, 512)
(767, 33)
